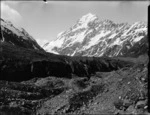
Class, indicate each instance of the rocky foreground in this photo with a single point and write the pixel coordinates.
(118, 92)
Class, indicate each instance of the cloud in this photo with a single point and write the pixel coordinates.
(10, 14)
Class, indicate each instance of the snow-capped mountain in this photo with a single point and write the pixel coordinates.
(17, 36)
(91, 37)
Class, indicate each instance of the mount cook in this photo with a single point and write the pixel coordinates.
(91, 37)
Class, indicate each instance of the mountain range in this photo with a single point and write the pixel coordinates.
(92, 37)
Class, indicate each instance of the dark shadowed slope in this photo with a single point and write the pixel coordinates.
(17, 64)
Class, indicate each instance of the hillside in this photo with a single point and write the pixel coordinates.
(17, 36)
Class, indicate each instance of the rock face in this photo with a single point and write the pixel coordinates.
(17, 36)
(91, 37)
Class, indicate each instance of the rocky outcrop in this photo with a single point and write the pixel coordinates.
(118, 92)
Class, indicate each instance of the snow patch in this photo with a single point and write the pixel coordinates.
(79, 37)
(73, 53)
(58, 43)
(137, 39)
(112, 36)
(141, 29)
(96, 39)
(10, 27)
(130, 29)
(16, 30)
(60, 34)
(116, 42)
(51, 51)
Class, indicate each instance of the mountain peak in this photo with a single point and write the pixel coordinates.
(87, 18)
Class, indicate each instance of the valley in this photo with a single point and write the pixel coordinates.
(63, 80)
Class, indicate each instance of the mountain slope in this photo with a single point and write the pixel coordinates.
(17, 36)
(91, 37)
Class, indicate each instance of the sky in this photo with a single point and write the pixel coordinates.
(44, 21)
